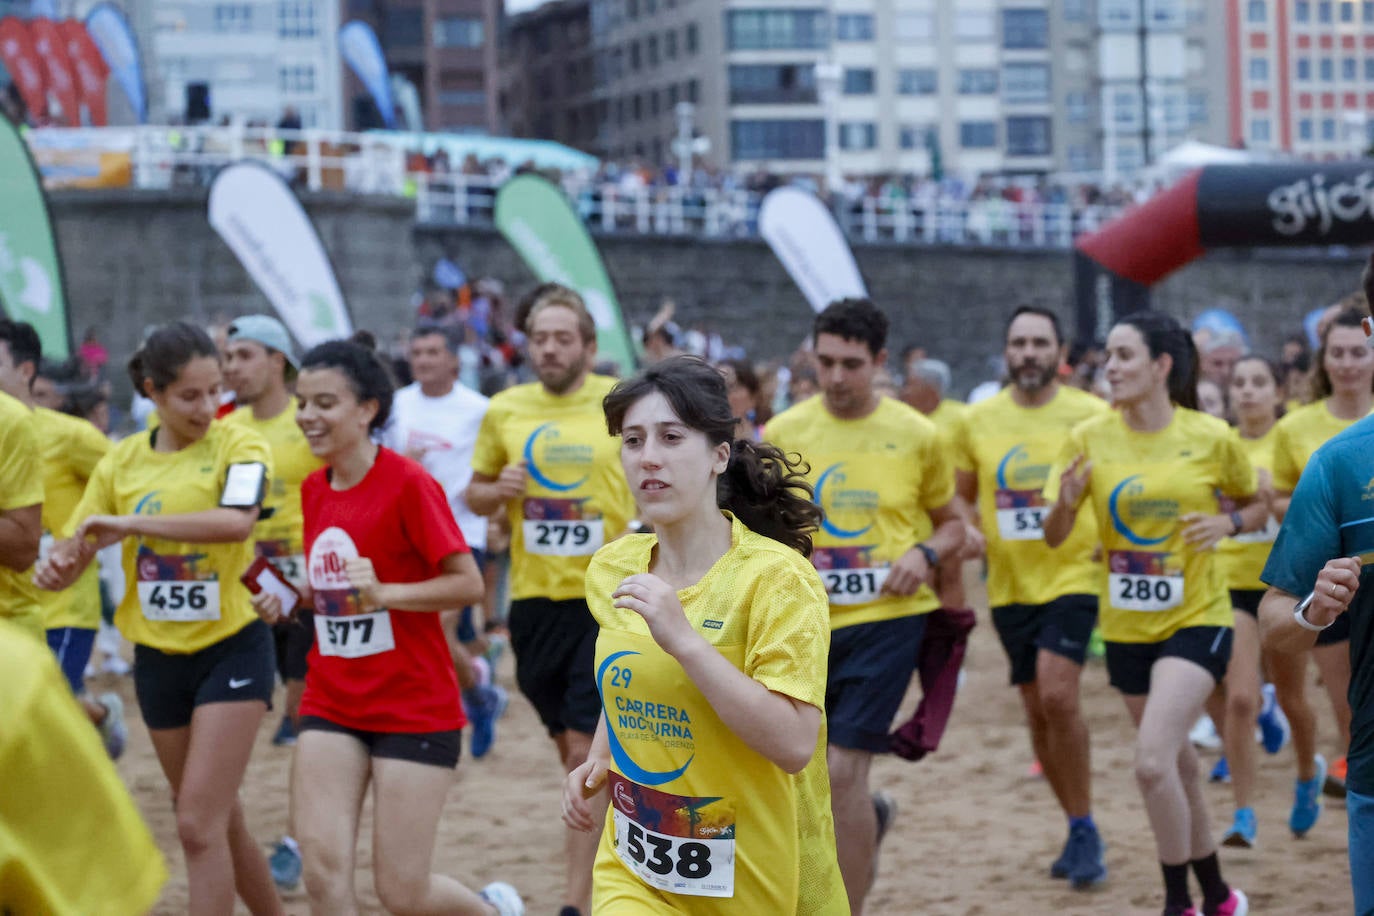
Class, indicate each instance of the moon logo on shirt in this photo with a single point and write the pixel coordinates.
(537, 473)
(827, 524)
(1017, 453)
(1119, 523)
(623, 761)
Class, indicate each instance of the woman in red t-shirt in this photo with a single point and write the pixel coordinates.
(381, 702)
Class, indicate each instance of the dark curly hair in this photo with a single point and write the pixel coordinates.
(763, 487)
(853, 319)
(363, 369)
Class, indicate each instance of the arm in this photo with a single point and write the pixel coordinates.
(485, 495)
(1331, 596)
(211, 526)
(20, 531)
(912, 570)
(457, 585)
(586, 782)
(1203, 531)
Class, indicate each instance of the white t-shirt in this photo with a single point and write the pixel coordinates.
(444, 429)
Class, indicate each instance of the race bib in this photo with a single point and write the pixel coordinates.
(1020, 515)
(854, 586)
(357, 636)
(564, 538)
(292, 569)
(676, 844)
(179, 601)
(1142, 581)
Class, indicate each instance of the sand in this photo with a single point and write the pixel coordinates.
(975, 833)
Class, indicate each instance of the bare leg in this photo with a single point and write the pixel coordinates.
(1242, 706)
(1288, 673)
(856, 823)
(1066, 733)
(579, 849)
(1334, 664)
(328, 781)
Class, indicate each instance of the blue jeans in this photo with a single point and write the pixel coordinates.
(1360, 809)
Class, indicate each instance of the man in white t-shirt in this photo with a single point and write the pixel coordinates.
(435, 421)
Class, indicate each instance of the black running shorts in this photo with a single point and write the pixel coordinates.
(1129, 663)
(171, 685)
(555, 662)
(1063, 626)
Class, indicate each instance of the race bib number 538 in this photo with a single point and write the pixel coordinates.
(690, 855)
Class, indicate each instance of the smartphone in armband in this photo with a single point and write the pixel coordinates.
(262, 576)
(244, 485)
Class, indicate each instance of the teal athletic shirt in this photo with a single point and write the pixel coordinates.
(1332, 515)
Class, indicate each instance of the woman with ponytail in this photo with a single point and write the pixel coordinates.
(711, 663)
(1152, 471)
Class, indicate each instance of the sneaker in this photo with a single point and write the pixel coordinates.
(1236, 905)
(1097, 645)
(1086, 868)
(484, 706)
(1221, 772)
(1204, 734)
(885, 809)
(496, 645)
(505, 898)
(1334, 787)
(1273, 724)
(115, 665)
(1243, 830)
(286, 733)
(1060, 867)
(114, 734)
(1307, 806)
(285, 863)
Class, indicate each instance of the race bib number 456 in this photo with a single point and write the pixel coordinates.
(678, 845)
(181, 602)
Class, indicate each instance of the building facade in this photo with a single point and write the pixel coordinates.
(548, 76)
(1303, 76)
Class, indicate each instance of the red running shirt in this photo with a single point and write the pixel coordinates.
(388, 671)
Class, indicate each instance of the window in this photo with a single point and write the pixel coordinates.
(978, 134)
(1025, 29)
(1078, 107)
(858, 135)
(693, 91)
(1129, 157)
(651, 49)
(1118, 14)
(462, 97)
(1197, 107)
(777, 139)
(653, 104)
(691, 38)
(1324, 11)
(1302, 11)
(1080, 158)
(765, 84)
(1256, 11)
(1028, 136)
(296, 79)
(914, 136)
(403, 28)
(1304, 68)
(1305, 129)
(908, 26)
(1369, 68)
(296, 19)
(233, 17)
(634, 56)
(755, 30)
(670, 44)
(1126, 108)
(853, 27)
(858, 81)
(977, 82)
(1075, 10)
(1166, 13)
(917, 81)
(631, 9)
(1367, 11)
(1328, 128)
(974, 25)
(1259, 69)
(1259, 130)
(636, 107)
(1348, 11)
(1326, 69)
(459, 32)
(1026, 83)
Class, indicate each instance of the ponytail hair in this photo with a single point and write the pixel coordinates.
(762, 487)
(166, 351)
(1163, 334)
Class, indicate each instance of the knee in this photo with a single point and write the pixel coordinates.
(1242, 706)
(1059, 704)
(400, 893)
(847, 773)
(325, 872)
(199, 830)
(1152, 768)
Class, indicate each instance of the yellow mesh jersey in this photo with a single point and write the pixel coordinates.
(281, 537)
(763, 608)
(576, 498)
(877, 478)
(1297, 435)
(71, 839)
(1243, 556)
(21, 485)
(133, 479)
(72, 447)
(1140, 486)
(1010, 449)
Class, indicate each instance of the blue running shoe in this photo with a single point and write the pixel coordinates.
(1221, 772)
(1273, 724)
(285, 863)
(484, 706)
(1307, 803)
(286, 733)
(1060, 867)
(1243, 830)
(1086, 867)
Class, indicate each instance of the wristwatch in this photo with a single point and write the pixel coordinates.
(932, 558)
(1300, 614)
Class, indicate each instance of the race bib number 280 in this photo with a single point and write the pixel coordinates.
(678, 845)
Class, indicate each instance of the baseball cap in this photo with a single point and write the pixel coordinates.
(267, 331)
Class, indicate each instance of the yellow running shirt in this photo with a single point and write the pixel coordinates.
(71, 838)
(576, 498)
(1140, 485)
(72, 448)
(181, 596)
(1243, 556)
(699, 822)
(1011, 448)
(21, 485)
(877, 478)
(280, 537)
(1297, 436)
(947, 415)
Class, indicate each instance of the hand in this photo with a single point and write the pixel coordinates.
(1202, 532)
(510, 483)
(64, 565)
(105, 530)
(268, 607)
(975, 543)
(909, 573)
(582, 785)
(1335, 589)
(1073, 483)
(363, 578)
(656, 601)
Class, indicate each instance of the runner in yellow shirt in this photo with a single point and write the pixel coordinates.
(543, 455)
(1343, 390)
(1043, 600)
(183, 500)
(711, 660)
(1151, 472)
(883, 478)
(21, 515)
(71, 449)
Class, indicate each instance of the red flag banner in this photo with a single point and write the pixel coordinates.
(92, 73)
(21, 60)
(52, 50)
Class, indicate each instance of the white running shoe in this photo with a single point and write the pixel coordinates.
(505, 898)
(1204, 734)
